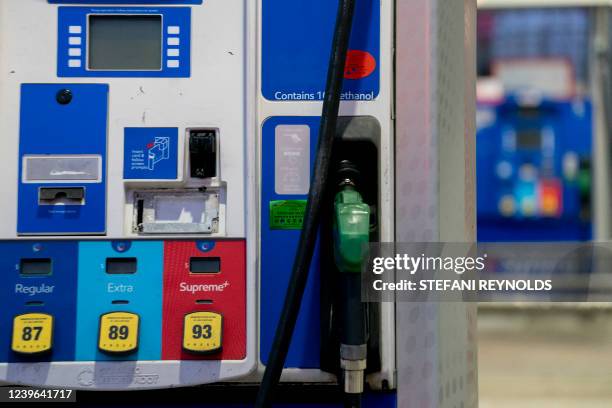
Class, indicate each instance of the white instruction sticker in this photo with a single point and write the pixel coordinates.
(292, 159)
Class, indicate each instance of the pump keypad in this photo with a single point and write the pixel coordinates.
(119, 332)
(32, 333)
(203, 332)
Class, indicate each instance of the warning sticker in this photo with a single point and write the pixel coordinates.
(150, 154)
(287, 214)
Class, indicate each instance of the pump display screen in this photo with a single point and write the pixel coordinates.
(35, 267)
(205, 265)
(125, 42)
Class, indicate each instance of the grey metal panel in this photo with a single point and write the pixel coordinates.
(435, 194)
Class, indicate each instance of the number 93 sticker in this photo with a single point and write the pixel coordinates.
(118, 332)
(203, 332)
(32, 333)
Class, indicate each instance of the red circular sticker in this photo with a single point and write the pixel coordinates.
(359, 64)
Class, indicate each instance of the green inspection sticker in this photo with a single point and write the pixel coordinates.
(287, 214)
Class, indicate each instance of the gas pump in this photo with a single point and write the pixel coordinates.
(159, 159)
(535, 170)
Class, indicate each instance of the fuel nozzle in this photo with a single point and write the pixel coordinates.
(351, 237)
(347, 174)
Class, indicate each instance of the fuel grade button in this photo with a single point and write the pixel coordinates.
(32, 333)
(118, 332)
(203, 332)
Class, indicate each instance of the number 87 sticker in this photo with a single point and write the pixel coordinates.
(32, 333)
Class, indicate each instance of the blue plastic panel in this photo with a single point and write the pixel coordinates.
(150, 154)
(97, 290)
(297, 37)
(50, 128)
(56, 294)
(72, 52)
(278, 249)
(370, 399)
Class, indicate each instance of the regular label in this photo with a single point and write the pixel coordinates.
(118, 332)
(287, 214)
(32, 333)
(203, 332)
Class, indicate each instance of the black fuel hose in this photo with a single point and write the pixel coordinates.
(308, 236)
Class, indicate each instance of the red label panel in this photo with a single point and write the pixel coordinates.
(221, 292)
(551, 198)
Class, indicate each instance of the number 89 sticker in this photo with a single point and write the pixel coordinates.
(202, 332)
(32, 333)
(118, 332)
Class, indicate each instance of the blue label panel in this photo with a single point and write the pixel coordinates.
(101, 292)
(278, 249)
(150, 154)
(296, 41)
(48, 127)
(25, 289)
(73, 29)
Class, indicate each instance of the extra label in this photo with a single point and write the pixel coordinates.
(118, 332)
(32, 333)
(203, 332)
(287, 214)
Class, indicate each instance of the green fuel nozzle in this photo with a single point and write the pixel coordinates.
(351, 238)
(352, 230)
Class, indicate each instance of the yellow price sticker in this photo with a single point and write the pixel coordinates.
(118, 332)
(203, 332)
(32, 333)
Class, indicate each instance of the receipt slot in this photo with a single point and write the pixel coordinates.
(119, 301)
(62, 151)
(205, 300)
